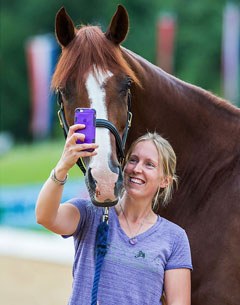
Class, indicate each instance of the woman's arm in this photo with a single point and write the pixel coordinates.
(62, 219)
(177, 286)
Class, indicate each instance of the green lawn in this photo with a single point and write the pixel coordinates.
(31, 163)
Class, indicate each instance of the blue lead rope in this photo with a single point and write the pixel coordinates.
(101, 250)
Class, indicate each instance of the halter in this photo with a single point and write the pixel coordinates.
(120, 142)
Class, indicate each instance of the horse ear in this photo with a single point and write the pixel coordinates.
(118, 28)
(64, 28)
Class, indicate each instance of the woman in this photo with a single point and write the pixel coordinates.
(147, 254)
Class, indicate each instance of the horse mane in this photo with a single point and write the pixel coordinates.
(90, 48)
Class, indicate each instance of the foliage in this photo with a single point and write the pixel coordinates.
(198, 45)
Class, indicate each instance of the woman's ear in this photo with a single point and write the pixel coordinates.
(165, 181)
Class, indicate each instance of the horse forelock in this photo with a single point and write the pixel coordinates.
(90, 48)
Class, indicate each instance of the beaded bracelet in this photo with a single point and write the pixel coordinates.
(56, 180)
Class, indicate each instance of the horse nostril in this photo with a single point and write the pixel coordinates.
(92, 182)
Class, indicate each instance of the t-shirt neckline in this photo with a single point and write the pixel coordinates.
(138, 237)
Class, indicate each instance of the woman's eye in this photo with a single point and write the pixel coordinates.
(132, 161)
(150, 164)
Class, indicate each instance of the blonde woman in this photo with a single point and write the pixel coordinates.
(147, 254)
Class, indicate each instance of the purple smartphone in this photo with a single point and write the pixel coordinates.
(86, 116)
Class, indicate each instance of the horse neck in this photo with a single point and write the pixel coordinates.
(185, 114)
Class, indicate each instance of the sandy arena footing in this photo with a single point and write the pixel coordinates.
(35, 268)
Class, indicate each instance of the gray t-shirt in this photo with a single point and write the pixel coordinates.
(132, 274)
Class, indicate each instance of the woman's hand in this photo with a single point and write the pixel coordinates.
(73, 151)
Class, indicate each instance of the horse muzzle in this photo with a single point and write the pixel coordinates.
(104, 189)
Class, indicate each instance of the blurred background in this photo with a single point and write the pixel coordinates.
(197, 41)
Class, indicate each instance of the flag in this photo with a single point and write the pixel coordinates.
(165, 42)
(231, 53)
(41, 52)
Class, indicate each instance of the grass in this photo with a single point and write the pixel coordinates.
(31, 163)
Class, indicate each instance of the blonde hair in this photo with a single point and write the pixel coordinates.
(168, 160)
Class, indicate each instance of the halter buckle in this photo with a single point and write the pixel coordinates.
(60, 118)
(105, 214)
(129, 119)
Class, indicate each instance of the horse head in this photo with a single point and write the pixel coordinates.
(93, 73)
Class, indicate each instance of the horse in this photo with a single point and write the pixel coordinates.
(94, 70)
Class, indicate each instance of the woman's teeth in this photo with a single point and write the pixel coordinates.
(137, 181)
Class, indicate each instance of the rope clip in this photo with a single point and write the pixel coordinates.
(105, 216)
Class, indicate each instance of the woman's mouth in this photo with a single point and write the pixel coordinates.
(137, 181)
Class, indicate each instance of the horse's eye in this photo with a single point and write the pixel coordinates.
(125, 85)
(65, 92)
(129, 82)
(62, 91)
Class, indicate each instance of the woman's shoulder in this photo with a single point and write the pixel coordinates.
(171, 227)
(84, 205)
(89, 213)
(178, 244)
(80, 201)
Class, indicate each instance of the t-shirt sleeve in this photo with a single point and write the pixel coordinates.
(181, 254)
(85, 210)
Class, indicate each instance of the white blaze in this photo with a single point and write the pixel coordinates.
(97, 96)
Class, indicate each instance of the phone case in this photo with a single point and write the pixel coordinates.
(86, 116)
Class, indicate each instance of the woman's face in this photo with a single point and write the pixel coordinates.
(143, 172)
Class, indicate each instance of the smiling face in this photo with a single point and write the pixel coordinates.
(143, 173)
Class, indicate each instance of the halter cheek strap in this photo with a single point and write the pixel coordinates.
(120, 142)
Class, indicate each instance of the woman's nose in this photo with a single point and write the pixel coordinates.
(138, 168)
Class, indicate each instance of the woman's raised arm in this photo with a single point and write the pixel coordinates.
(62, 219)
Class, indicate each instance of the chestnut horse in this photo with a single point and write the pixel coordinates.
(204, 130)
